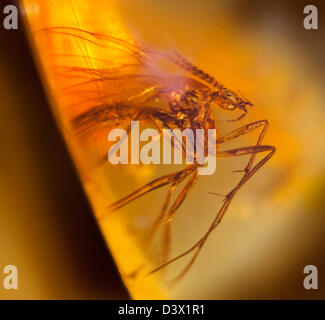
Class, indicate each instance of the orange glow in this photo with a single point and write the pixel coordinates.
(52, 48)
(272, 206)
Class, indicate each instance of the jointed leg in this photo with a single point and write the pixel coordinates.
(228, 198)
(181, 197)
(178, 178)
(160, 119)
(177, 203)
(244, 130)
(163, 210)
(155, 184)
(236, 119)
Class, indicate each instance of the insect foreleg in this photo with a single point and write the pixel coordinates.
(265, 125)
(241, 131)
(236, 119)
(244, 130)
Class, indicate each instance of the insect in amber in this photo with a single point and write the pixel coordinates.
(144, 91)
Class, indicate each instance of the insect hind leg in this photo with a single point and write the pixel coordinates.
(196, 248)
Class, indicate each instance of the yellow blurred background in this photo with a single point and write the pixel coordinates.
(274, 227)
